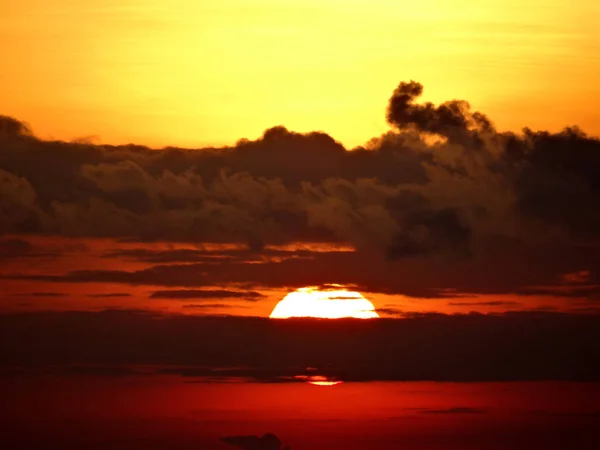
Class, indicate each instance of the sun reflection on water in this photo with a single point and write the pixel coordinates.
(318, 380)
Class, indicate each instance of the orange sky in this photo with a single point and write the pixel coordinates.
(189, 73)
(192, 73)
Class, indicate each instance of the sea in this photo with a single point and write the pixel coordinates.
(111, 412)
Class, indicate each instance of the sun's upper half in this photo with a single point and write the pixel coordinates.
(332, 302)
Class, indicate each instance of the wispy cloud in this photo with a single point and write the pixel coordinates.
(209, 294)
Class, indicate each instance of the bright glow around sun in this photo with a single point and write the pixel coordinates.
(333, 302)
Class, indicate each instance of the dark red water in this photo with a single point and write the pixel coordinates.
(85, 412)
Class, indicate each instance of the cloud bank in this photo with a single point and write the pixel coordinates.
(472, 347)
(442, 205)
(443, 180)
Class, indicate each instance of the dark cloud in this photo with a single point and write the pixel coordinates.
(277, 188)
(266, 442)
(109, 295)
(510, 346)
(455, 410)
(425, 230)
(11, 127)
(580, 291)
(208, 256)
(14, 248)
(556, 179)
(390, 311)
(545, 308)
(44, 294)
(568, 413)
(452, 119)
(103, 276)
(170, 256)
(484, 303)
(587, 310)
(208, 294)
(213, 306)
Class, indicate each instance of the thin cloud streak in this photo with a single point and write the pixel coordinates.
(249, 296)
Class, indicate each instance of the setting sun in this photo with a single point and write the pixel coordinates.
(333, 302)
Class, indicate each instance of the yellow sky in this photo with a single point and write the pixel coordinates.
(192, 72)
